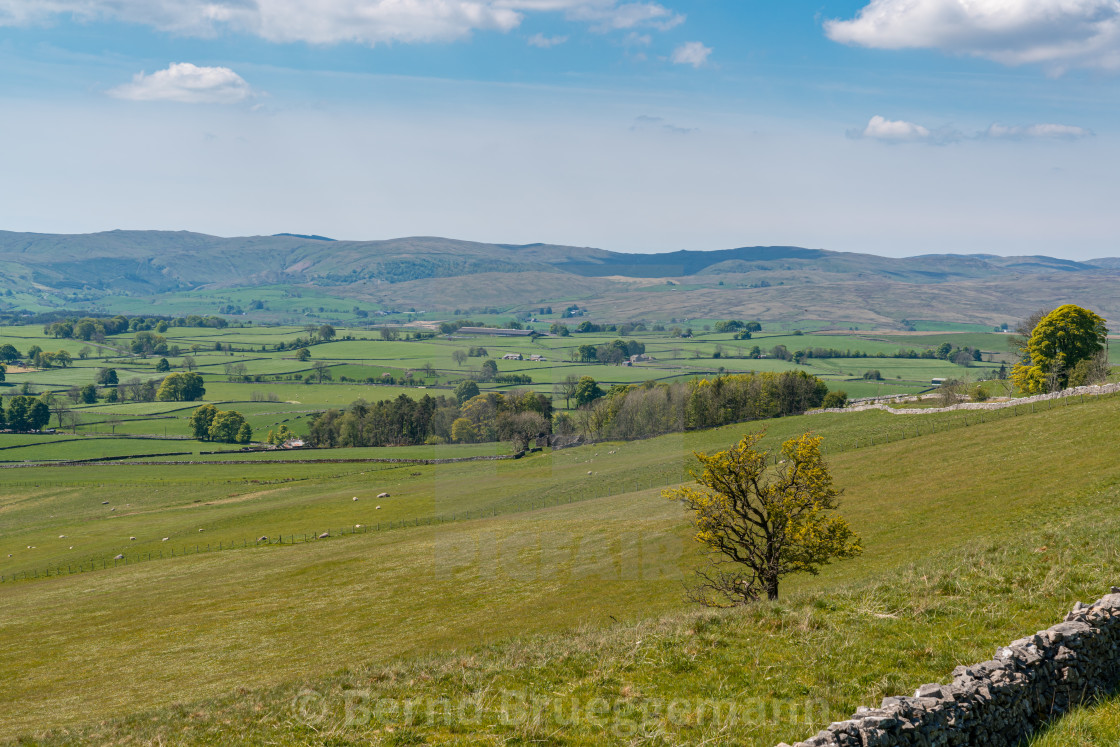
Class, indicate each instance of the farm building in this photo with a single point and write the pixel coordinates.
(537, 358)
(512, 357)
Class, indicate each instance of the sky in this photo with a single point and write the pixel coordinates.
(895, 127)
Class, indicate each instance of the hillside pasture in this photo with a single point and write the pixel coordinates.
(936, 539)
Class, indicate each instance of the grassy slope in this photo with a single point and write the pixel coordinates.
(245, 502)
(969, 544)
(1092, 726)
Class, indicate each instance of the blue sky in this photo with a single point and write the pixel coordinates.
(889, 126)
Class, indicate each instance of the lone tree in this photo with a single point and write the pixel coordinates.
(759, 524)
(1060, 341)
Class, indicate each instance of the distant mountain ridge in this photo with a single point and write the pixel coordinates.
(434, 271)
(181, 259)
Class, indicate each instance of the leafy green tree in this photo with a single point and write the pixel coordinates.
(758, 524)
(459, 356)
(181, 387)
(33, 351)
(326, 332)
(226, 426)
(729, 325)
(27, 413)
(1062, 339)
(464, 431)
(466, 390)
(163, 366)
(244, 434)
(587, 391)
(200, 421)
(88, 394)
(107, 377)
(488, 370)
(835, 399)
(1093, 370)
(63, 359)
(8, 353)
(303, 354)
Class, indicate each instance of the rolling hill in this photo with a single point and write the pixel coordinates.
(770, 282)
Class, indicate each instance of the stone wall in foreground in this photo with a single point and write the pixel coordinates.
(999, 702)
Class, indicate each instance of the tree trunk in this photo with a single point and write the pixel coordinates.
(772, 589)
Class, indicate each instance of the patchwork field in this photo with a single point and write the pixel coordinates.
(271, 387)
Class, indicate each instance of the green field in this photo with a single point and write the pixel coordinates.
(271, 387)
(530, 575)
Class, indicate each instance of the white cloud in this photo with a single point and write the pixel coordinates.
(691, 53)
(901, 131)
(1038, 132)
(894, 130)
(1057, 33)
(186, 83)
(334, 21)
(546, 42)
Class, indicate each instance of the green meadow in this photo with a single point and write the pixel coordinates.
(554, 576)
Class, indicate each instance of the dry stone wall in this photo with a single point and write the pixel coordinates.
(998, 702)
(1080, 391)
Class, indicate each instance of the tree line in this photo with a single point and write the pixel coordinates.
(623, 412)
(96, 328)
(639, 411)
(516, 416)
